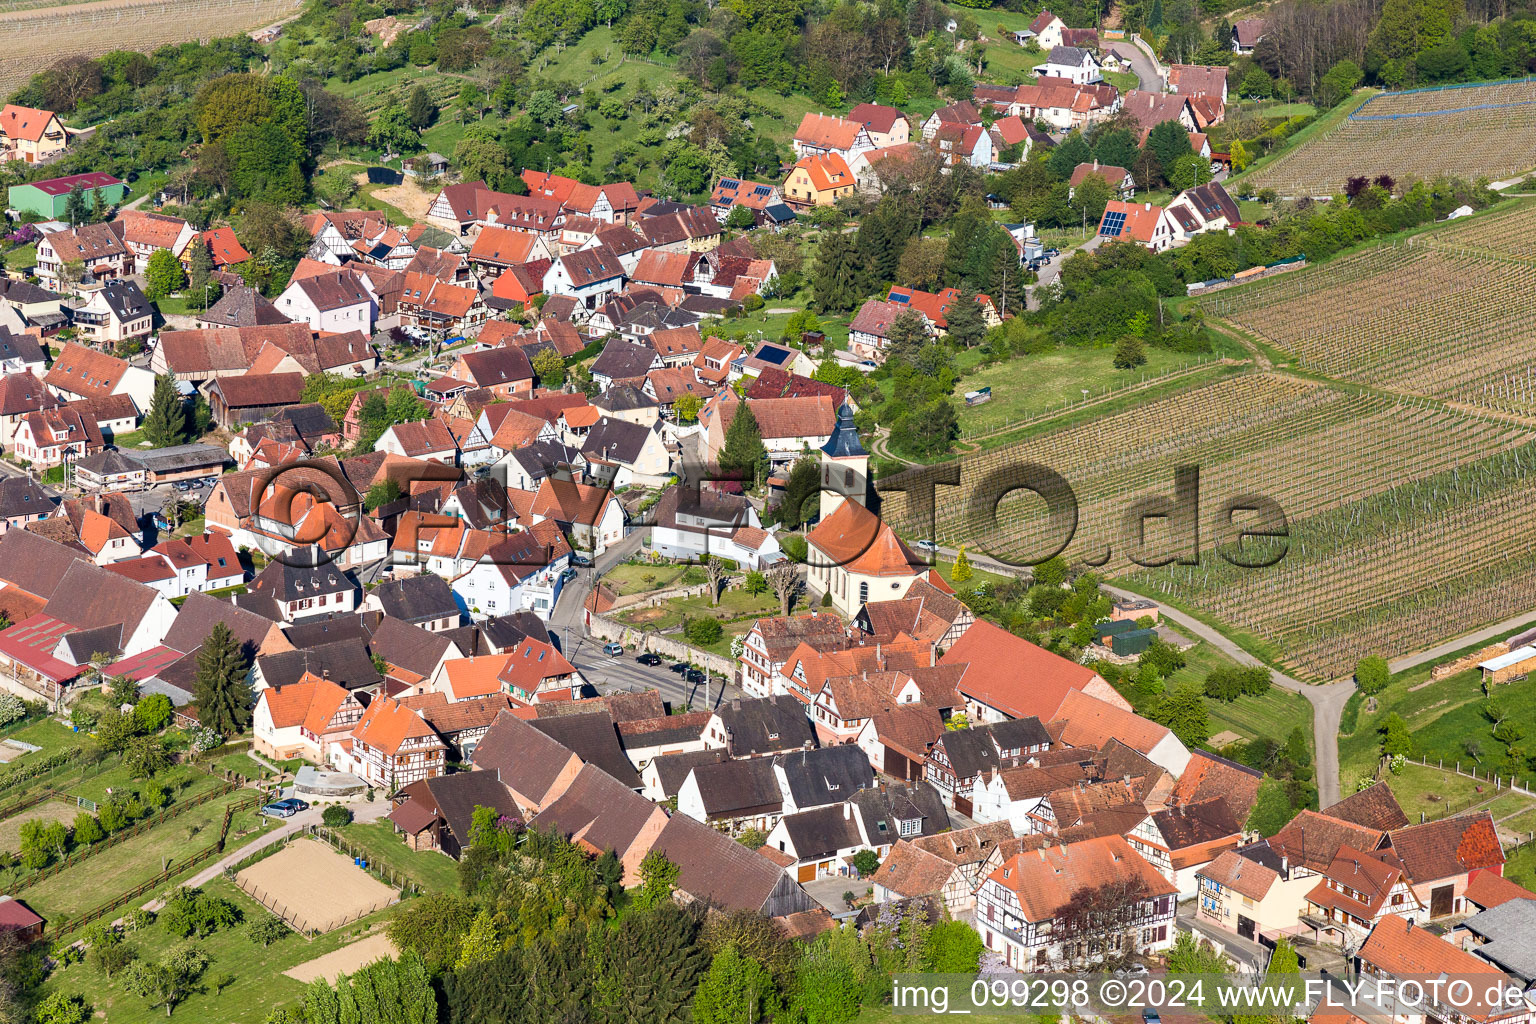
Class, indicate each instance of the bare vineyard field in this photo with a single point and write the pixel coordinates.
(1447, 314)
(33, 38)
(1316, 450)
(1477, 131)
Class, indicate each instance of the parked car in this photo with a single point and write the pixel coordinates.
(613, 649)
(568, 575)
(926, 545)
(679, 667)
(649, 659)
(693, 675)
(285, 808)
(577, 558)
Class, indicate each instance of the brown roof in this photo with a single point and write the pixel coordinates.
(1012, 674)
(145, 228)
(503, 246)
(260, 389)
(1046, 880)
(1208, 776)
(1397, 948)
(525, 758)
(855, 538)
(1150, 109)
(1247, 877)
(813, 416)
(876, 316)
(1113, 176)
(1487, 888)
(825, 131)
(1374, 807)
(89, 596)
(22, 393)
(1311, 839)
(876, 117)
(85, 372)
(911, 871)
(715, 869)
(598, 811)
(334, 290)
(26, 123)
(1197, 79)
(87, 242)
(1448, 847)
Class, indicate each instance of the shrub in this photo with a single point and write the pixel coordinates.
(1372, 675)
(335, 816)
(703, 631)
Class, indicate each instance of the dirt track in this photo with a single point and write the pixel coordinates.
(313, 887)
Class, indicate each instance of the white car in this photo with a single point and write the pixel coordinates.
(926, 545)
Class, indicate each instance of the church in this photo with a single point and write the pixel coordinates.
(853, 555)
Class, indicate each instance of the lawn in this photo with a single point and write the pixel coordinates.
(1273, 715)
(182, 781)
(978, 576)
(639, 579)
(1031, 385)
(735, 604)
(1429, 791)
(432, 871)
(98, 879)
(46, 733)
(259, 983)
(1521, 866)
(242, 764)
(22, 257)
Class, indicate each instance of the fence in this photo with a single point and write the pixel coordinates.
(207, 853)
(377, 870)
(27, 803)
(299, 922)
(121, 836)
(1500, 784)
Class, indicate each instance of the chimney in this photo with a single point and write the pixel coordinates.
(101, 504)
(847, 811)
(736, 705)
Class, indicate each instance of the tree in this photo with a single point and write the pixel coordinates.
(927, 431)
(420, 111)
(12, 707)
(87, 829)
(123, 690)
(433, 927)
(658, 877)
(336, 816)
(144, 756)
(550, 368)
(784, 578)
(191, 911)
(163, 275)
(716, 570)
(1372, 675)
(171, 979)
(223, 696)
(166, 423)
(755, 583)
(385, 492)
(966, 325)
(200, 263)
(837, 279)
(1184, 712)
(480, 945)
(743, 451)
(704, 631)
(867, 862)
(741, 218)
(802, 493)
(1130, 352)
(1395, 738)
(393, 132)
(114, 731)
(953, 947)
(1167, 141)
(962, 570)
(734, 989)
(41, 841)
(153, 713)
(1272, 810)
(267, 929)
(1071, 151)
(1338, 82)
(687, 407)
(1100, 919)
(60, 1008)
(75, 211)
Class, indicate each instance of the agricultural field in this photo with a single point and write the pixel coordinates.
(1431, 315)
(1464, 131)
(1390, 505)
(33, 38)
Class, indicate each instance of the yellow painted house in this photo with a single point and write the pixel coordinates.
(818, 181)
(29, 134)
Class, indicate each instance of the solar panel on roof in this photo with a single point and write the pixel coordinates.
(773, 355)
(730, 183)
(1114, 224)
(901, 299)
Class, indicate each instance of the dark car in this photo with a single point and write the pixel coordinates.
(679, 666)
(285, 808)
(693, 675)
(649, 659)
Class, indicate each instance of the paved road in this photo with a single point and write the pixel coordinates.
(1327, 699)
(1144, 67)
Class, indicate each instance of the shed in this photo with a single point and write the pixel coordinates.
(1134, 641)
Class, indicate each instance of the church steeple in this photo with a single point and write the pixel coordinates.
(844, 465)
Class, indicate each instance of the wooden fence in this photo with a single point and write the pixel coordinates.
(121, 836)
(1500, 784)
(300, 922)
(27, 803)
(197, 859)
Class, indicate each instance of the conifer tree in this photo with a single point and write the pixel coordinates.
(166, 422)
(743, 450)
(223, 696)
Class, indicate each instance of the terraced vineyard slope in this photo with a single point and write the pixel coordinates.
(1469, 132)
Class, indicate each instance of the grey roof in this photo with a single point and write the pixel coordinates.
(284, 582)
(1510, 929)
(622, 397)
(969, 751)
(344, 662)
(88, 596)
(765, 725)
(715, 869)
(1017, 733)
(511, 629)
(24, 293)
(824, 776)
(822, 831)
(243, 307)
(20, 346)
(615, 440)
(672, 769)
(260, 604)
(844, 442)
(179, 457)
(539, 458)
(593, 738)
(408, 646)
(80, 645)
(327, 629)
(736, 789)
(308, 419)
(883, 810)
(125, 300)
(458, 795)
(621, 360)
(1068, 55)
(109, 462)
(417, 599)
(23, 496)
